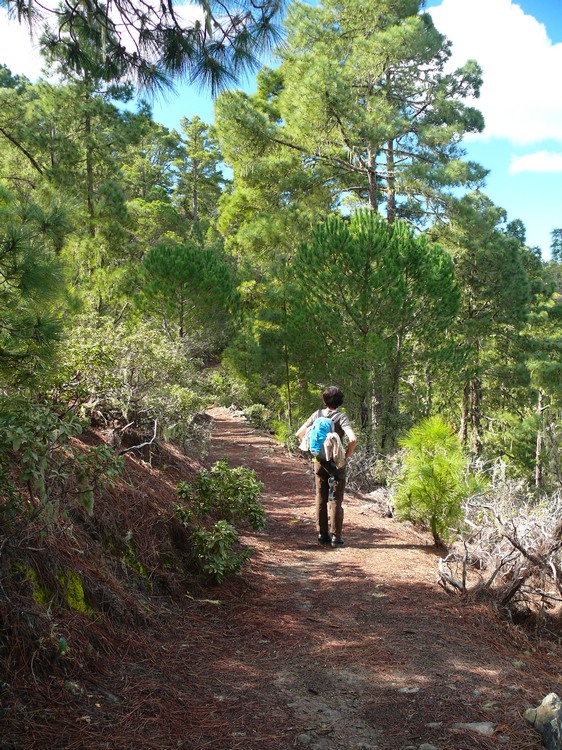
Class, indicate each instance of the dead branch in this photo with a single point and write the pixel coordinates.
(142, 445)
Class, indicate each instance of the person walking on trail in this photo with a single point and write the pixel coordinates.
(329, 469)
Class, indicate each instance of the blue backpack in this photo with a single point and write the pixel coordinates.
(318, 432)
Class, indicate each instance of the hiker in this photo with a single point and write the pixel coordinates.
(329, 472)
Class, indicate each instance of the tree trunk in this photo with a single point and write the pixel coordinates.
(390, 184)
(476, 416)
(539, 443)
(388, 439)
(89, 175)
(372, 179)
(376, 416)
(463, 430)
(181, 315)
(195, 201)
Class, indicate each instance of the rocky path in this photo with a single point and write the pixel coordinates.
(355, 648)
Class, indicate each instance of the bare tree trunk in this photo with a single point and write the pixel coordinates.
(182, 316)
(390, 184)
(476, 416)
(90, 176)
(388, 439)
(372, 180)
(463, 430)
(539, 443)
(375, 418)
(195, 201)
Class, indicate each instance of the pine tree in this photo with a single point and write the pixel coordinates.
(364, 293)
(148, 42)
(31, 288)
(190, 291)
(362, 100)
(556, 245)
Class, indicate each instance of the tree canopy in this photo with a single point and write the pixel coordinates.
(149, 42)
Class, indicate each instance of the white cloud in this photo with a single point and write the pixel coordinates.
(520, 64)
(540, 161)
(18, 51)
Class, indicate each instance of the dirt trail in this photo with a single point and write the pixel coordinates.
(356, 647)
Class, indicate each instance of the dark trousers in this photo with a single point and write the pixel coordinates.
(329, 515)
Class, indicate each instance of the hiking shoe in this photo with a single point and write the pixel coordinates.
(324, 538)
(337, 541)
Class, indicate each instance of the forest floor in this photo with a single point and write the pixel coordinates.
(313, 648)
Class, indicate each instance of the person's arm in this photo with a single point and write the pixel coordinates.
(299, 434)
(349, 434)
(352, 442)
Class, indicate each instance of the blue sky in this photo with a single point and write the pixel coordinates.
(518, 43)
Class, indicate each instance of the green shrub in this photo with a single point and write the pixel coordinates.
(258, 416)
(231, 496)
(434, 479)
(214, 550)
(136, 376)
(285, 435)
(35, 443)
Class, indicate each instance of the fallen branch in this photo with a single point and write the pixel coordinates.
(141, 445)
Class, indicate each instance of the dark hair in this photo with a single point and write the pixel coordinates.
(332, 397)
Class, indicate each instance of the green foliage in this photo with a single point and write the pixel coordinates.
(31, 285)
(361, 99)
(513, 439)
(36, 438)
(258, 415)
(369, 300)
(434, 481)
(191, 290)
(214, 550)
(494, 304)
(134, 374)
(231, 495)
(285, 434)
(213, 49)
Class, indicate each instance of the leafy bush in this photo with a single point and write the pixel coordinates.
(35, 444)
(434, 479)
(258, 415)
(136, 376)
(214, 550)
(285, 435)
(229, 495)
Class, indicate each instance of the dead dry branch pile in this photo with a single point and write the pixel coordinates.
(510, 550)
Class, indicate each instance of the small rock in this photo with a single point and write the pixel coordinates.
(481, 727)
(73, 687)
(434, 725)
(304, 739)
(491, 705)
(547, 719)
(427, 746)
(110, 698)
(408, 691)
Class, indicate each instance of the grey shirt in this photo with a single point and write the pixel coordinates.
(341, 421)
